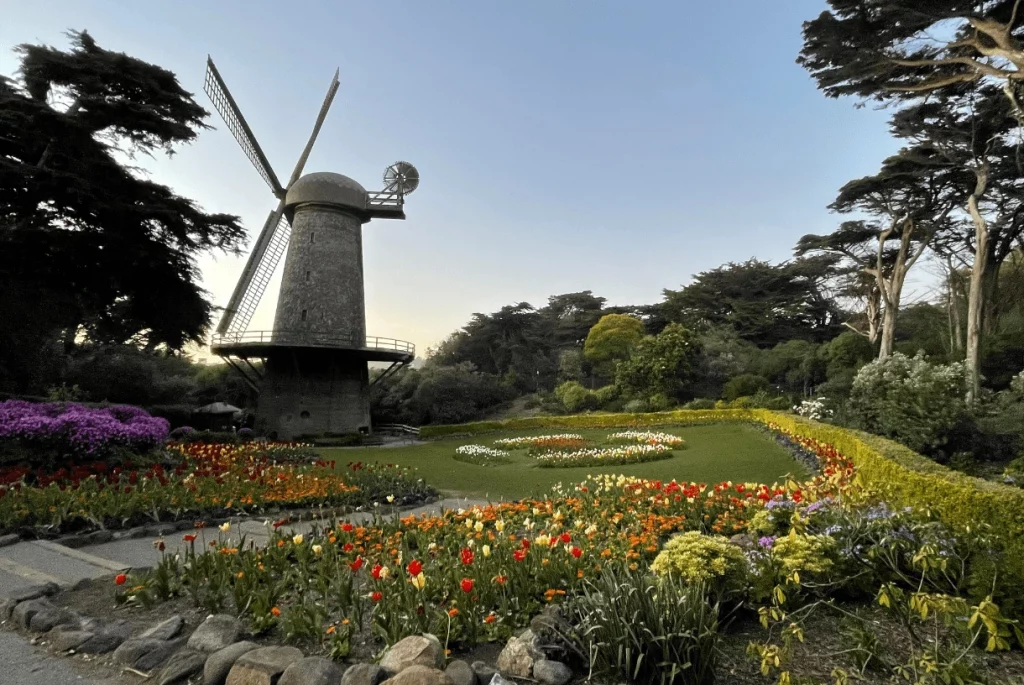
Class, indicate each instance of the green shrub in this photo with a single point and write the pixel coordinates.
(605, 395)
(700, 403)
(909, 400)
(744, 385)
(574, 397)
(636, 406)
(647, 629)
(707, 559)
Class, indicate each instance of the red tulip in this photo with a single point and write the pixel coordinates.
(466, 585)
(376, 596)
(120, 579)
(467, 556)
(414, 568)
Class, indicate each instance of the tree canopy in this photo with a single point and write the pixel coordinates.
(108, 254)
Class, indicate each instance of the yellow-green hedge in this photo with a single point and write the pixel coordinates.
(901, 476)
(581, 421)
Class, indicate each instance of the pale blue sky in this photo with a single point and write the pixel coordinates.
(619, 147)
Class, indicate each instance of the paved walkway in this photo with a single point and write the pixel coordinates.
(38, 561)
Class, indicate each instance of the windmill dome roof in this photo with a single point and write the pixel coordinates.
(324, 187)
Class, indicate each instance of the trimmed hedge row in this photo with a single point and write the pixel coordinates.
(900, 475)
(662, 418)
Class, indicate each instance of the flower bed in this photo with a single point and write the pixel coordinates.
(609, 550)
(542, 442)
(481, 455)
(203, 480)
(604, 456)
(474, 575)
(69, 431)
(647, 438)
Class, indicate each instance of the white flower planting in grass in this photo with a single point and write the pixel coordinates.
(538, 441)
(479, 451)
(646, 438)
(600, 456)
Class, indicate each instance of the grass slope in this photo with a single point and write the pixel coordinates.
(713, 453)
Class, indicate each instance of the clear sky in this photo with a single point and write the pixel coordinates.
(563, 145)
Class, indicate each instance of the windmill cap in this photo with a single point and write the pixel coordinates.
(326, 188)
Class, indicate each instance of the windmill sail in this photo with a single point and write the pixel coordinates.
(273, 239)
(266, 253)
(218, 92)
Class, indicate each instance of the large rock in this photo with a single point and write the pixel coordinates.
(7, 608)
(461, 673)
(9, 539)
(415, 650)
(34, 592)
(181, 667)
(23, 613)
(130, 651)
(159, 656)
(64, 638)
(48, 619)
(165, 630)
(262, 666)
(517, 658)
(107, 638)
(484, 673)
(419, 675)
(215, 633)
(551, 672)
(498, 680)
(220, 662)
(364, 674)
(313, 670)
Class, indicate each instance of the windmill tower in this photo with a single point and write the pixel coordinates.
(313, 380)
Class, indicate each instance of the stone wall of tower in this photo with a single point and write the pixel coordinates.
(314, 393)
(322, 284)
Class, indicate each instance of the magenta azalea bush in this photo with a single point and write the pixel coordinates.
(73, 430)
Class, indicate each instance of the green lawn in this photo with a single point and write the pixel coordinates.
(713, 453)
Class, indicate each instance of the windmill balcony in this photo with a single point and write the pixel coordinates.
(262, 343)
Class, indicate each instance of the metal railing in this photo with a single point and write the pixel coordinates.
(312, 339)
(386, 199)
(397, 429)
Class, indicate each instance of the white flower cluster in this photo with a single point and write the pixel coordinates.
(646, 438)
(479, 451)
(534, 440)
(813, 409)
(597, 456)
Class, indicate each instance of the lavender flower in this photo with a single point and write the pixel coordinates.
(766, 542)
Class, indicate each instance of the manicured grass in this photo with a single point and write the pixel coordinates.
(713, 453)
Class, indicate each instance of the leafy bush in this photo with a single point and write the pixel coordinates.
(707, 559)
(744, 385)
(647, 629)
(909, 400)
(607, 394)
(208, 437)
(637, 406)
(574, 397)
(700, 403)
(246, 434)
(178, 433)
(57, 431)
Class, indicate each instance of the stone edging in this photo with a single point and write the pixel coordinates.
(215, 653)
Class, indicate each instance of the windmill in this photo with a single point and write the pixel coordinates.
(313, 380)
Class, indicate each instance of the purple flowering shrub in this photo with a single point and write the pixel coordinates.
(69, 430)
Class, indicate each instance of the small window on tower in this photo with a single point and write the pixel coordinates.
(307, 277)
(303, 314)
(312, 237)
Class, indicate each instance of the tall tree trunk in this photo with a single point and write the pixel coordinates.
(990, 291)
(956, 337)
(975, 296)
(874, 314)
(892, 287)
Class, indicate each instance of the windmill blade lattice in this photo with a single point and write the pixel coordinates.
(222, 101)
(259, 268)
